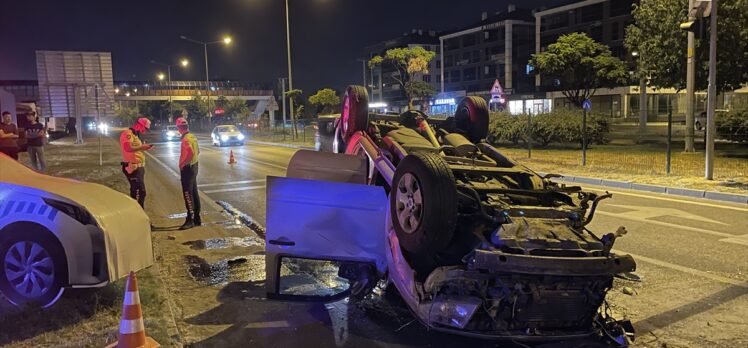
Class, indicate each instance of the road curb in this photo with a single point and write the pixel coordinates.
(676, 191)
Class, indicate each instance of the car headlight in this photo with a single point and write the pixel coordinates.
(170, 134)
(240, 137)
(455, 312)
(224, 137)
(75, 212)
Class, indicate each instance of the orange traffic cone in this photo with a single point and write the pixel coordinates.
(131, 329)
(232, 160)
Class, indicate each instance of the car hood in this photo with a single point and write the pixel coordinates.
(230, 134)
(125, 225)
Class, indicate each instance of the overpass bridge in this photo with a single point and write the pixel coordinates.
(131, 92)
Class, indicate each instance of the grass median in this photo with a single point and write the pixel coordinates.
(87, 317)
(642, 164)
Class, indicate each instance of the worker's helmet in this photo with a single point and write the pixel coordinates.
(146, 123)
(181, 121)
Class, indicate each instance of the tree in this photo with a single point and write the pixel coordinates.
(295, 94)
(325, 100)
(662, 46)
(127, 115)
(236, 109)
(423, 91)
(410, 64)
(197, 108)
(581, 65)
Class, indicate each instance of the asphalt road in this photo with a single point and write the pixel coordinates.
(692, 254)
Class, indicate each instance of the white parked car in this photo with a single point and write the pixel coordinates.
(227, 135)
(58, 233)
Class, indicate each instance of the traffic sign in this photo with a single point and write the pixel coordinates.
(496, 89)
(587, 104)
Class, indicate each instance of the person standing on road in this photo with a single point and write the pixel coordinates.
(133, 158)
(8, 136)
(35, 134)
(188, 174)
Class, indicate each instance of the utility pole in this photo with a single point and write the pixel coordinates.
(712, 93)
(642, 107)
(690, 75)
(290, 78)
(283, 99)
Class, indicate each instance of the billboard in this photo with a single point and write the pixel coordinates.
(70, 81)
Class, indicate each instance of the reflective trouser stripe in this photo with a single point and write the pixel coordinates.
(127, 327)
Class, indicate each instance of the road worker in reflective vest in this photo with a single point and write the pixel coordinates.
(188, 174)
(133, 157)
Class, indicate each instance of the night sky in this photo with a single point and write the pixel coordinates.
(327, 36)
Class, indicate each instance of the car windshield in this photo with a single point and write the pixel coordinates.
(171, 128)
(226, 129)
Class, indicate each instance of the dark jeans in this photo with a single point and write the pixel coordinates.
(137, 184)
(188, 177)
(12, 152)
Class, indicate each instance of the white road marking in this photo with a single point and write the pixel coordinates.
(642, 212)
(244, 188)
(665, 224)
(232, 183)
(684, 269)
(174, 173)
(683, 200)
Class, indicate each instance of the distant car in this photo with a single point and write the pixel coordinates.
(227, 135)
(58, 233)
(170, 133)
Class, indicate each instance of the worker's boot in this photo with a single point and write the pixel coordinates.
(197, 220)
(189, 222)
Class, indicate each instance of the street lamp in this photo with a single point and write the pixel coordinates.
(226, 41)
(183, 62)
(290, 79)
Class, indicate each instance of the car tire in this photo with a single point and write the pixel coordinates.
(471, 116)
(354, 114)
(423, 205)
(23, 243)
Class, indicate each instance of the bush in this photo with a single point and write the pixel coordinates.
(559, 126)
(732, 125)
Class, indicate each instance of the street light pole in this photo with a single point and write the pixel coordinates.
(226, 40)
(711, 97)
(171, 92)
(690, 85)
(290, 78)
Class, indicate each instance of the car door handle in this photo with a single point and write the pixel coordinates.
(281, 242)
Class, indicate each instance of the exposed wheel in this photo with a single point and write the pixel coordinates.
(355, 111)
(33, 268)
(471, 116)
(423, 204)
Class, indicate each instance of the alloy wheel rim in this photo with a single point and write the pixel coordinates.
(29, 269)
(409, 203)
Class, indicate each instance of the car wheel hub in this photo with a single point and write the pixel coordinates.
(409, 201)
(29, 269)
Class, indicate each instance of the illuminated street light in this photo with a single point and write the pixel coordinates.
(127, 94)
(161, 76)
(116, 90)
(635, 54)
(135, 90)
(184, 62)
(226, 40)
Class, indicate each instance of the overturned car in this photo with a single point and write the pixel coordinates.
(475, 243)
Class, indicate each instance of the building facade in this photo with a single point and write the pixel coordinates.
(497, 47)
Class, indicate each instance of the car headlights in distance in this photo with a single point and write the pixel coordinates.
(455, 312)
(170, 134)
(224, 137)
(240, 137)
